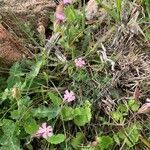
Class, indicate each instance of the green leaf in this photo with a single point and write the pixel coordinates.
(133, 105)
(10, 146)
(89, 148)
(54, 98)
(117, 116)
(67, 113)
(122, 108)
(46, 112)
(80, 76)
(31, 126)
(111, 12)
(76, 141)
(118, 4)
(36, 66)
(56, 139)
(87, 107)
(116, 139)
(83, 114)
(8, 140)
(132, 135)
(15, 114)
(8, 127)
(35, 69)
(9, 143)
(71, 14)
(5, 94)
(105, 142)
(80, 120)
(15, 73)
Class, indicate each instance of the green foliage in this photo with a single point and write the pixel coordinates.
(80, 115)
(146, 4)
(117, 116)
(56, 100)
(56, 139)
(118, 7)
(113, 12)
(9, 140)
(46, 112)
(83, 114)
(129, 136)
(120, 114)
(67, 113)
(105, 142)
(15, 74)
(30, 126)
(123, 110)
(133, 105)
(77, 140)
(81, 75)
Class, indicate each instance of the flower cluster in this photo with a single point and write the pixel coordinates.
(79, 62)
(60, 16)
(69, 96)
(44, 131)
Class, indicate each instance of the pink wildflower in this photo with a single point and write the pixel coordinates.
(79, 62)
(69, 96)
(44, 131)
(66, 1)
(60, 16)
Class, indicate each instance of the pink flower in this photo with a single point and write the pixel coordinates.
(60, 16)
(66, 1)
(79, 62)
(69, 96)
(44, 131)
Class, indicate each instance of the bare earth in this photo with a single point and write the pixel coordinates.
(14, 14)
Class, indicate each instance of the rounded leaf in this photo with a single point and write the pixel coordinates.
(56, 139)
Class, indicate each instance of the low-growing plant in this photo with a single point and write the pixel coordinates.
(68, 100)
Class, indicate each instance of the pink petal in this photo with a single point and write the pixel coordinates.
(71, 93)
(49, 128)
(76, 61)
(44, 135)
(41, 131)
(79, 62)
(67, 92)
(66, 1)
(71, 98)
(65, 97)
(44, 125)
(60, 16)
(83, 62)
(50, 134)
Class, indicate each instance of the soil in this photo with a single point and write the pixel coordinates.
(11, 49)
(16, 13)
(14, 16)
